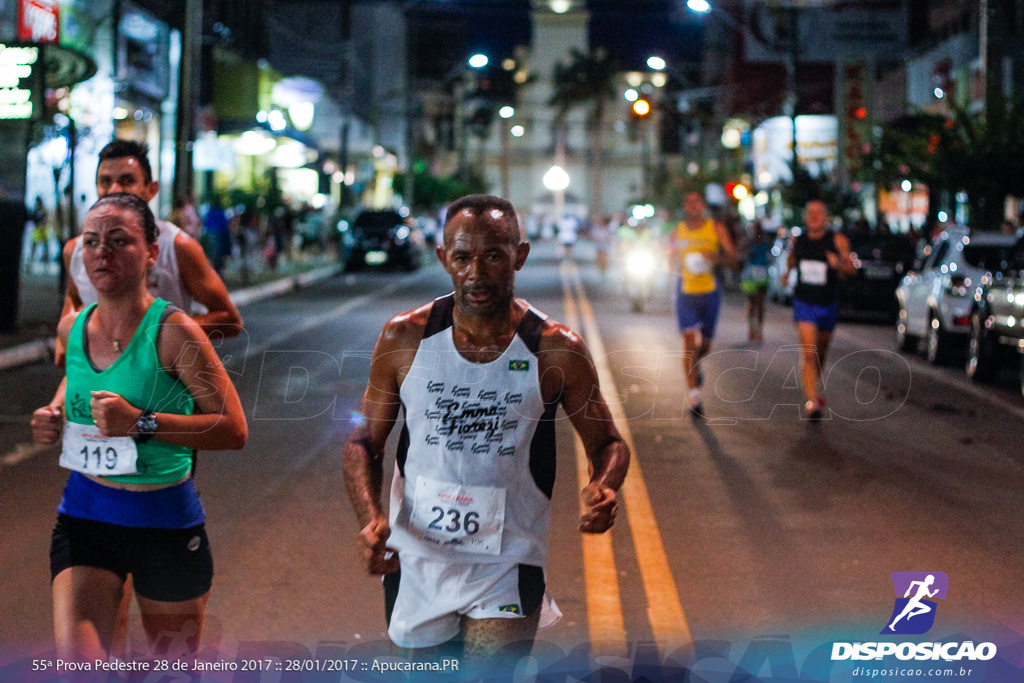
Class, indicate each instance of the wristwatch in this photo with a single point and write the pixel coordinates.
(145, 426)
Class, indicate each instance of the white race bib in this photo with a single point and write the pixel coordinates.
(697, 263)
(89, 452)
(468, 519)
(755, 273)
(813, 272)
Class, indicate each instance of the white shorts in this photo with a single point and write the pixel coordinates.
(426, 600)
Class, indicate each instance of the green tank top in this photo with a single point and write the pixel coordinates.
(137, 376)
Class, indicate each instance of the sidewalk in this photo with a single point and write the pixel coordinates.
(41, 300)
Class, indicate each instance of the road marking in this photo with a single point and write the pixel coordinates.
(336, 312)
(604, 602)
(21, 452)
(664, 609)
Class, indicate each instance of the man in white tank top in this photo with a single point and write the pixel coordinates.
(182, 273)
(465, 543)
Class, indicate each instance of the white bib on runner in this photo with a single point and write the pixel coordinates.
(755, 273)
(467, 519)
(475, 465)
(87, 451)
(697, 263)
(813, 272)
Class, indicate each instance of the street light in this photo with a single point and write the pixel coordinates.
(556, 180)
(478, 61)
(656, 63)
(698, 5)
(506, 112)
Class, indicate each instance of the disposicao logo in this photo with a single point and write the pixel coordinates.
(913, 614)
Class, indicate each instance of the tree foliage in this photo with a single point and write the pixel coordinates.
(431, 192)
(588, 80)
(962, 153)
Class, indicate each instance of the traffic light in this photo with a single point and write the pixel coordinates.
(737, 191)
(641, 108)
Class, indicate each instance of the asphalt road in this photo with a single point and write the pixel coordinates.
(752, 524)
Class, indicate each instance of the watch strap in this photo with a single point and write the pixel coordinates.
(145, 426)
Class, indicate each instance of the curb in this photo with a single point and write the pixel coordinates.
(42, 349)
(23, 354)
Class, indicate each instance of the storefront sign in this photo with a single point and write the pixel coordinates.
(142, 53)
(17, 85)
(826, 32)
(816, 146)
(39, 21)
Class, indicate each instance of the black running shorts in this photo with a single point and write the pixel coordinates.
(168, 565)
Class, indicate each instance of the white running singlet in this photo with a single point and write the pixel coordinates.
(476, 457)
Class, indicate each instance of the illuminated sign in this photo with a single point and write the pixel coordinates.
(17, 99)
(39, 21)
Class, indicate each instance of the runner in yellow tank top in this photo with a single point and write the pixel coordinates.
(696, 246)
(698, 250)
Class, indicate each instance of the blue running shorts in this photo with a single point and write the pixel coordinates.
(823, 317)
(698, 311)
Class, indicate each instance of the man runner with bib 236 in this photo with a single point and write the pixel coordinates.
(479, 375)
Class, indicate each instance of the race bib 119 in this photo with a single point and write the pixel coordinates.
(468, 519)
(89, 452)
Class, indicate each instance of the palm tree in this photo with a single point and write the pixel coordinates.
(588, 80)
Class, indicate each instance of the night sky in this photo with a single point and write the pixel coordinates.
(632, 30)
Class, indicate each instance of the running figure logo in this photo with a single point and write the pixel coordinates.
(914, 613)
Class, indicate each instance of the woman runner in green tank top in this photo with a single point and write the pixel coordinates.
(144, 388)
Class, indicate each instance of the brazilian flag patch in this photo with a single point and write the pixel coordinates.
(518, 365)
(512, 609)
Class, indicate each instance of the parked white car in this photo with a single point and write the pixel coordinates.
(934, 302)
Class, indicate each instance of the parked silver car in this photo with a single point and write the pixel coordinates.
(934, 303)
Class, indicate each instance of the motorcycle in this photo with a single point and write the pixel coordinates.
(641, 266)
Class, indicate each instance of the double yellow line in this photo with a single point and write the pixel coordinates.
(604, 604)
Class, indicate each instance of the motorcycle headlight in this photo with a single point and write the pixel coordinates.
(640, 263)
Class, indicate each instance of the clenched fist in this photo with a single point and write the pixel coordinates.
(373, 539)
(602, 505)
(112, 414)
(47, 425)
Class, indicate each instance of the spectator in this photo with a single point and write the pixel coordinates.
(185, 217)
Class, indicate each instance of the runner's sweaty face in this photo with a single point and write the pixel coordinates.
(482, 258)
(815, 217)
(124, 174)
(694, 206)
(114, 249)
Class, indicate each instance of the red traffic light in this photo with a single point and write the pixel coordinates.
(737, 190)
(641, 107)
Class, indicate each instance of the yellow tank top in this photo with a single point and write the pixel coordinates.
(696, 269)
